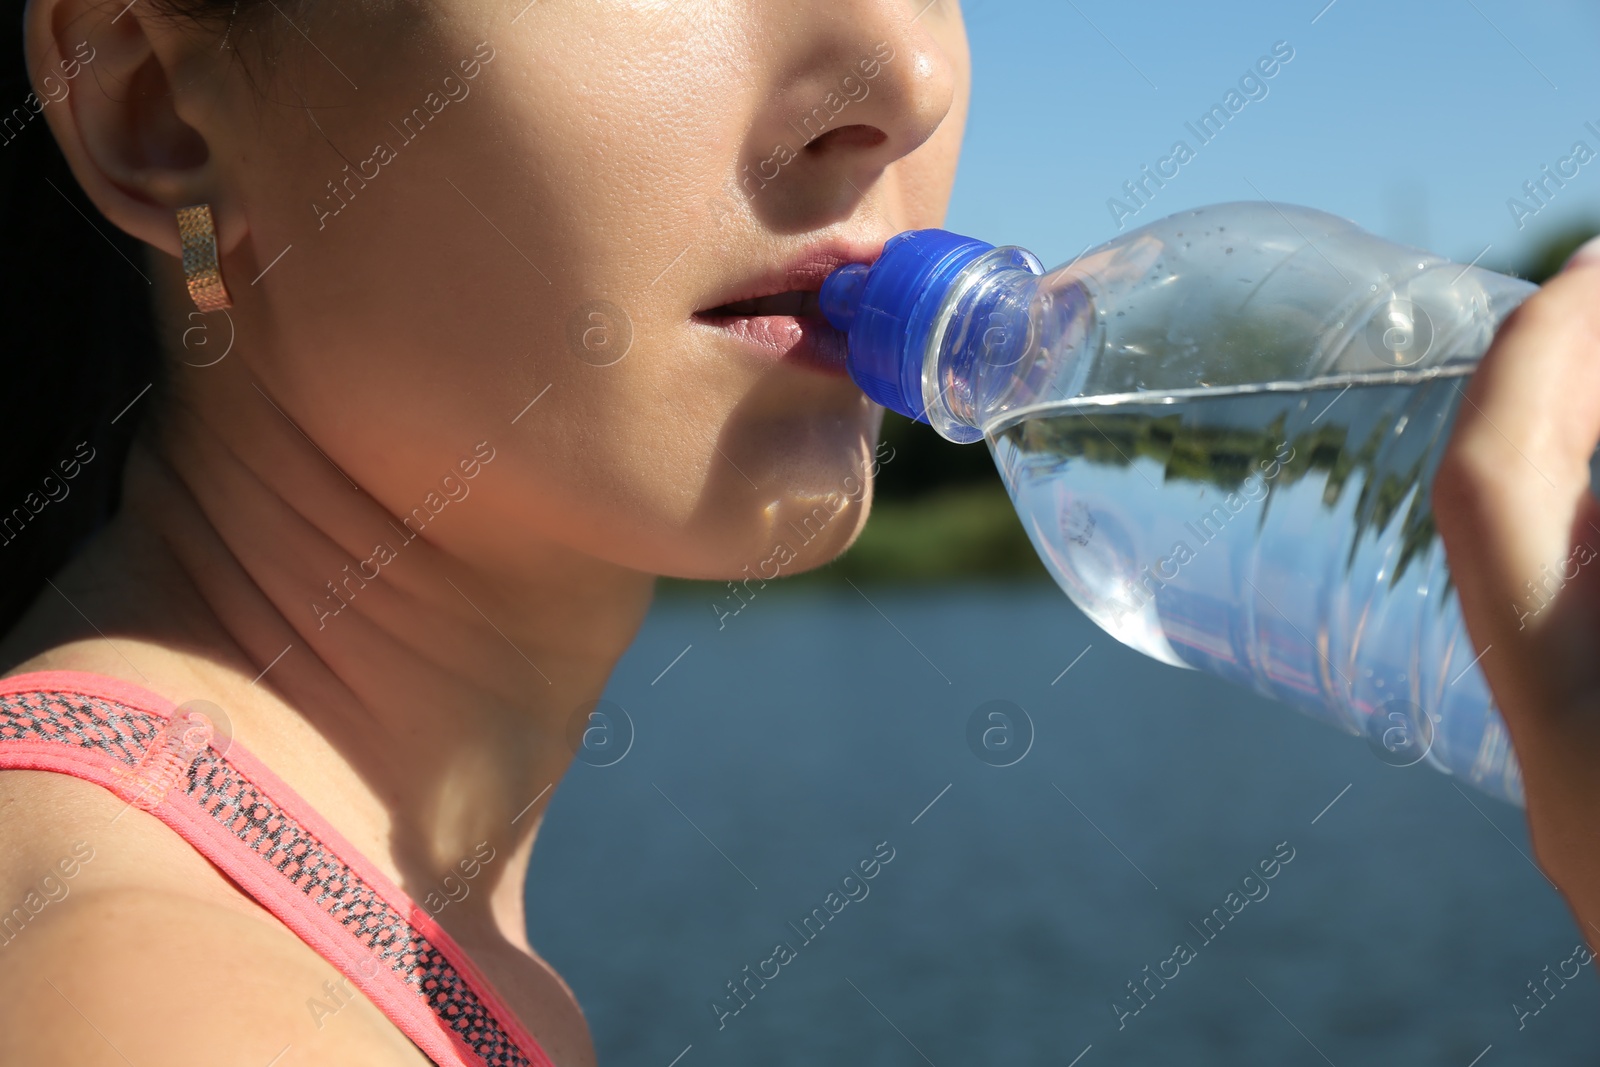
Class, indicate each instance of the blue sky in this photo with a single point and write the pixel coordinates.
(1418, 120)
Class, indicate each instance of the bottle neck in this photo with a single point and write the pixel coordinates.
(1001, 339)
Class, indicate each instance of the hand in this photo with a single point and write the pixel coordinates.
(1521, 531)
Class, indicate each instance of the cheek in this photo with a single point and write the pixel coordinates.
(699, 497)
(433, 295)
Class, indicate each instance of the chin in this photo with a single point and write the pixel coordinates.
(813, 533)
(807, 528)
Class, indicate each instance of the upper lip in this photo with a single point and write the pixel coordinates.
(804, 274)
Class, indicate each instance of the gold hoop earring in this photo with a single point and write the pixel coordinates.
(201, 268)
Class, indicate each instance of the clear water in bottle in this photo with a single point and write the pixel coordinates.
(1280, 536)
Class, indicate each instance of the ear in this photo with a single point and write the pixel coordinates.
(125, 92)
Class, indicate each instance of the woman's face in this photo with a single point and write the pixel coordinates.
(487, 203)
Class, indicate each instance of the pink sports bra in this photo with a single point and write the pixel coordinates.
(253, 827)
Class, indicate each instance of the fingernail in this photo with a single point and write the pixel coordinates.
(1587, 255)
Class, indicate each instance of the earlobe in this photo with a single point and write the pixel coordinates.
(118, 120)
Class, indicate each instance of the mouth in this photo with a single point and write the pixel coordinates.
(779, 314)
(796, 303)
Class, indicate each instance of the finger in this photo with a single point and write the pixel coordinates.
(1512, 492)
(1587, 254)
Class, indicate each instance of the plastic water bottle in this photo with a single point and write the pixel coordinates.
(1220, 431)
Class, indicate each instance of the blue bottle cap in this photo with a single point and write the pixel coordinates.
(887, 311)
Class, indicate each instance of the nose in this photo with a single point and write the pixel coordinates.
(861, 84)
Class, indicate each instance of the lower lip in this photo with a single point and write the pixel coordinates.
(809, 342)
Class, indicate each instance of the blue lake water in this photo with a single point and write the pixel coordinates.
(775, 753)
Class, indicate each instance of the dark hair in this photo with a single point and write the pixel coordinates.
(81, 360)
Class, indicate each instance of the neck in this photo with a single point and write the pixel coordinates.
(421, 703)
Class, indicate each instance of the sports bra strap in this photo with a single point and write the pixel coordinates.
(261, 834)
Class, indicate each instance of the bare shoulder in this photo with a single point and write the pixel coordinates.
(61, 835)
(135, 976)
(119, 943)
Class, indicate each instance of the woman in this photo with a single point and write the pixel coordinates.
(460, 320)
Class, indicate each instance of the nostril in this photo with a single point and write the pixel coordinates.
(854, 136)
